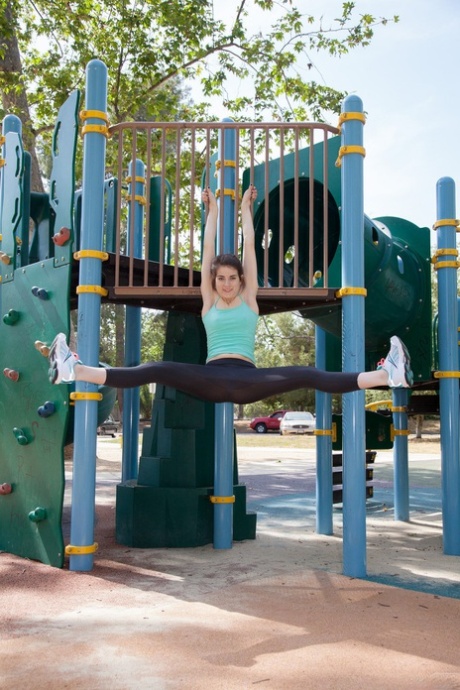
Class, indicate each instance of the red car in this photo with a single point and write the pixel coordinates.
(272, 423)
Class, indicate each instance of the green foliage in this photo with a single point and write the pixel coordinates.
(153, 47)
(284, 340)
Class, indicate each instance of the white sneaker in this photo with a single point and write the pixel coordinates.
(397, 365)
(62, 361)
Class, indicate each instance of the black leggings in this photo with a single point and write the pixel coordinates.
(231, 380)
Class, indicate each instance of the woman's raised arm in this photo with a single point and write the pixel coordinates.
(251, 285)
(209, 249)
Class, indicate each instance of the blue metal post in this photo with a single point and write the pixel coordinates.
(324, 519)
(223, 444)
(89, 311)
(401, 454)
(446, 265)
(354, 431)
(131, 396)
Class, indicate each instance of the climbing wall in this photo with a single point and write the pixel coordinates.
(35, 305)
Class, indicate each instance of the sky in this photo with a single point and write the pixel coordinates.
(409, 84)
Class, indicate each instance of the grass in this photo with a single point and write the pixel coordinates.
(273, 439)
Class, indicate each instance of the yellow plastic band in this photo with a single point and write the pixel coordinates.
(129, 179)
(90, 254)
(2, 162)
(399, 432)
(446, 221)
(346, 150)
(322, 432)
(446, 374)
(446, 264)
(79, 396)
(346, 291)
(86, 114)
(71, 550)
(227, 164)
(344, 117)
(137, 197)
(451, 251)
(222, 499)
(227, 192)
(378, 403)
(1, 237)
(2, 140)
(97, 129)
(92, 289)
(399, 409)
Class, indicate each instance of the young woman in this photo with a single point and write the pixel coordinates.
(230, 312)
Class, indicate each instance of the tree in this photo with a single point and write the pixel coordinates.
(283, 340)
(153, 47)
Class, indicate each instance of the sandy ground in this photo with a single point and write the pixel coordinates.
(273, 613)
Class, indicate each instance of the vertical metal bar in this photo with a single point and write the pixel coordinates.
(161, 252)
(295, 282)
(325, 266)
(177, 197)
(354, 451)
(266, 205)
(324, 520)
(448, 362)
(148, 201)
(131, 396)
(223, 445)
(311, 209)
(119, 208)
(89, 318)
(281, 213)
(237, 190)
(192, 206)
(401, 456)
(131, 216)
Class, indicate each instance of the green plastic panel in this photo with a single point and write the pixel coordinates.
(32, 446)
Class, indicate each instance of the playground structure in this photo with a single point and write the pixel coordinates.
(134, 238)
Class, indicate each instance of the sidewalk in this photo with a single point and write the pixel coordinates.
(275, 612)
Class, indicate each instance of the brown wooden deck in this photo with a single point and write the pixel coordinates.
(186, 297)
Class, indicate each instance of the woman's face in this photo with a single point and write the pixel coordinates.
(228, 282)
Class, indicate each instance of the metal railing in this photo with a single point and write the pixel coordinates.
(290, 163)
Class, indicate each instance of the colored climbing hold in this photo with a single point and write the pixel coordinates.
(20, 436)
(43, 348)
(38, 514)
(11, 374)
(5, 489)
(61, 237)
(41, 293)
(47, 409)
(11, 318)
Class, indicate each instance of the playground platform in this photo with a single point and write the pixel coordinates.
(271, 613)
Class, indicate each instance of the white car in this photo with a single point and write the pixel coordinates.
(297, 423)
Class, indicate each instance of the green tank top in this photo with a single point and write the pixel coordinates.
(230, 331)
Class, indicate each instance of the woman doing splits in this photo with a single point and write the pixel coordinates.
(230, 313)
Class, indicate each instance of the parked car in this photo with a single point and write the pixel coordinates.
(297, 423)
(109, 428)
(271, 423)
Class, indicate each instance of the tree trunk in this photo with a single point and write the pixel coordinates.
(14, 100)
